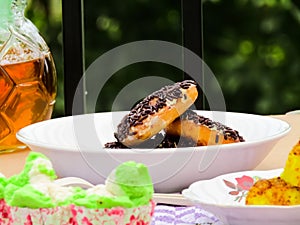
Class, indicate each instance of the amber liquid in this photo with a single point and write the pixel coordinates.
(27, 96)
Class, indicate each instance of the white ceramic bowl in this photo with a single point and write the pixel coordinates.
(75, 146)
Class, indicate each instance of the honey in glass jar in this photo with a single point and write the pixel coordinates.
(27, 75)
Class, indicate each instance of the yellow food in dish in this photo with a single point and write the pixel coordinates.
(273, 191)
(291, 172)
(282, 190)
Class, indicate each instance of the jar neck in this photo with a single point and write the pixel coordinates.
(6, 15)
(11, 11)
(18, 8)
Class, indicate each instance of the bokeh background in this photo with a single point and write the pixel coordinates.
(252, 46)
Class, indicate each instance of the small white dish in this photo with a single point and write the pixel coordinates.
(294, 112)
(75, 146)
(224, 196)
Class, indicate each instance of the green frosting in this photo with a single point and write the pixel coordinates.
(77, 194)
(1, 191)
(49, 172)
(134, 179)
(27, 196)
(3, 182)
(95, 201)
(23, 178)
(19, 192)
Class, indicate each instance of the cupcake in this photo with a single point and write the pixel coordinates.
(33, 197)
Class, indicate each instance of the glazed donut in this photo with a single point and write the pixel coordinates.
(202, 130)
(156, 112)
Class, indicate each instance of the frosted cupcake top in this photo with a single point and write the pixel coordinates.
(129, 185)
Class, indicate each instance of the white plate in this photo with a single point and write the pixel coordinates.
(75, 146)
(221, 197)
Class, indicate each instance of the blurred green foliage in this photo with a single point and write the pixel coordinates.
(252, 46)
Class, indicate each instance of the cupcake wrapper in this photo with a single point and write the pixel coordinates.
(115, 216)
(76, 215)
(60, 215)
(25, 216)
(86, 216)
(141, 215)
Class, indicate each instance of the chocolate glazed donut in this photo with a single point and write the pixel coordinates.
(156, 112)
(202, 130)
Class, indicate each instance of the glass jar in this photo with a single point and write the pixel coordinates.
(27, 75)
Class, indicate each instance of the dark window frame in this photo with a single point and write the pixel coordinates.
(72, 12)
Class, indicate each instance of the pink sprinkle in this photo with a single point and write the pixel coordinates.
(140, 223)
(72, 221)
(28, 220)
(132, 218)
(86, 221)
(73, 210)
(116, 211)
